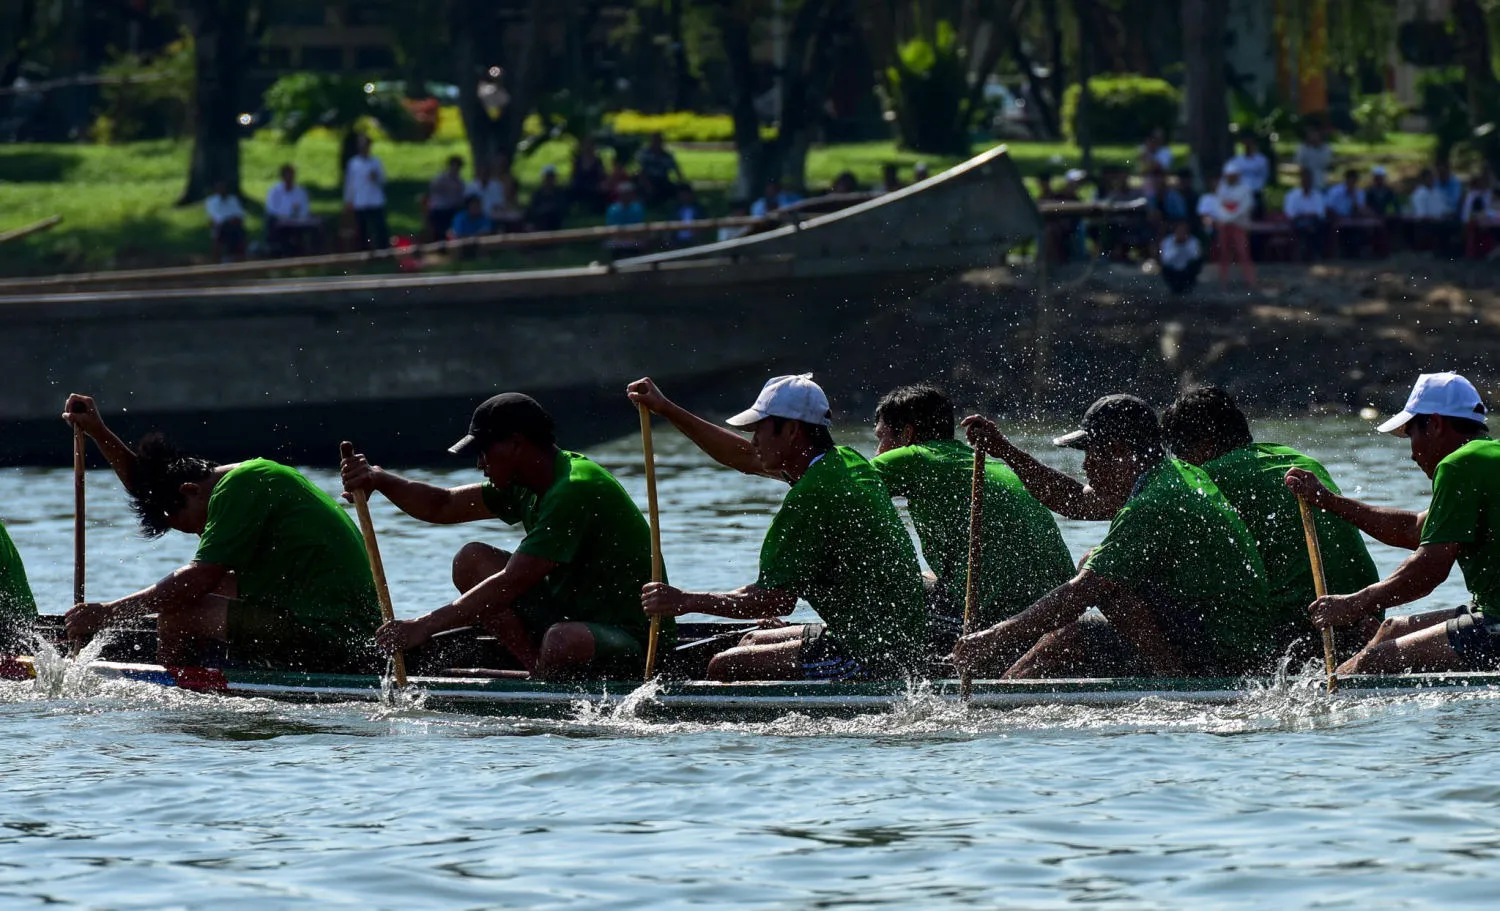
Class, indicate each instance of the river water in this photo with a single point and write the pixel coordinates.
(129, 796)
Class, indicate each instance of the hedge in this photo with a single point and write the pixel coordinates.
(1125, 109)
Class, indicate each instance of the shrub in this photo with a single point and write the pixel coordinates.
(677, 126)
(301, 101)
(146, 99)
(1124, 109)
(1376, 116)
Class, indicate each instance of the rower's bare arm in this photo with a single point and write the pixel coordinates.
(80, 411)
(521, 574)
(753, 602)
(1052, 488)
(1418, 576)
(1053, 610)
(183, 589)
(1393, 527)
(418, 499)
(723, 445)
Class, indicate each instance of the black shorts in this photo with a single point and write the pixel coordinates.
(1475, 638)
(619, 654)
(824, 658)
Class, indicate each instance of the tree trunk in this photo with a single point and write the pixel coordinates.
(1083, 128)
(10, 69)
(1203, 33)
(1474, 54)
(220, 30)
(749, 154)
(479, 43)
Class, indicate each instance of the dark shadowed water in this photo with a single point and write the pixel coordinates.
(129, 796)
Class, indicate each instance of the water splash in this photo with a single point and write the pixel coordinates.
(626, 711)
(59, 676)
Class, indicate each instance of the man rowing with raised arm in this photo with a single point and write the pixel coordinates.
(1023, 555)
(1444, 420)
(1177, 576)
(1206, 428)
(837, 542)
(566, 603)
(280, 579)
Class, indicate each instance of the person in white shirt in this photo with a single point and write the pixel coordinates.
(1346, 203)
(288, 213)
(1434, 225)
(445, 198)
(1316, 156)
(1181, 259)
(1231, 218)
(226, 222)
(1255, 171)
(1308, 213)
(364, 195)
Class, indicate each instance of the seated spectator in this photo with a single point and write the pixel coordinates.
(1255, 171)
(288, 215)
(656, 167)
(1308, 213)
(1481, 217)
(445, 197)
(1164, 204)
(1207, 209)
(1120, 233)
(687, 209)
(1231, 218)
(1181, 259)
(618, 176)
(586, 182)
(890, 178)
(1315, 156)
(549, 204)
(1434, 222)
(471, 220)
(1381, 196)
(920, 172)
(737, 210)
(1155, 150)
(1075, 178)
(490, 190)
(775, 198)
(1346, 207)
(226, 222)
(1451, 187)
(511, 216)
(626, 209)
(843, 184)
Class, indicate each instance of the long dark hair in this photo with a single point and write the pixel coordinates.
(156, 486)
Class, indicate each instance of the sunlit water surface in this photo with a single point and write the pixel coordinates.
(130, 796)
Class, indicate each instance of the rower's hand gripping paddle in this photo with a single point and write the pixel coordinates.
(372, 548)
(1320, 583)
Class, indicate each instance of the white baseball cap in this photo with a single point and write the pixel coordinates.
(795, 397)
(1447, 394)
(1075, 175)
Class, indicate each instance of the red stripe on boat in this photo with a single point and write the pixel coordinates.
(200, 679)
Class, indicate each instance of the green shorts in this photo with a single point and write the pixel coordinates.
(619, 654)
(265, 637)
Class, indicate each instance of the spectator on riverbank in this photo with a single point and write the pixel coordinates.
(1306, 209)
(1181, 258)
(1155, 150)
(1255, 171)
(1435, 223)
(890, 178)
(738, 209)
(364, 195)
(774, 199)
(1164, 204)
(618, 177)
(490, 190)
(1450, 186)
(626, 209)
(470, 221)
(549, 203)
(843, 184)
(512, 217)
(687, 209)
(920, 172)
(1231, 218)
(1315, 156)
(1381, 196)
(445, 197)
(1481, 217)
(656, 167)
(226, 223)
(586, 180)
(288, 215)
(1350, 213)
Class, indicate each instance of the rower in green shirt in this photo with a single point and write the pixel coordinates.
(1444, 420)
(17, 606)
(1023, 556)
(1177, 576)
(566, 603)
(837, 542)
(280, 579)
(1206, 428)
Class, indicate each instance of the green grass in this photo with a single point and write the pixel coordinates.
(118, 210)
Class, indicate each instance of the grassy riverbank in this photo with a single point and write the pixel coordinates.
(117, 202)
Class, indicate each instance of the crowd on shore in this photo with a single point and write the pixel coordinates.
(1243, 215)
(492, 201)
(1204, 570)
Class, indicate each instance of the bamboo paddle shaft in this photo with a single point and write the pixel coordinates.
(971, 588)
(656, 568)
(79, 442)
(377, 568)
(1320, 583)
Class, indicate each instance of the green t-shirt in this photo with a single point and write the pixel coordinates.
(1022, 554)
(1465, 510)
(293, 550)
(838, 543)
(1252, 480)
(1178, 538)
(586, 523)
(17, 606)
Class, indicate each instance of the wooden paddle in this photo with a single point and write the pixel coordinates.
(971, 588)
(656, 568)
(377, 568)
(79, 442)
(1320, 584)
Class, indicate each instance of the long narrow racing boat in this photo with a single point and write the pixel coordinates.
(702, 699)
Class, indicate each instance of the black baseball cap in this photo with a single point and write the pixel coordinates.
(1124, 418)
(501, 416)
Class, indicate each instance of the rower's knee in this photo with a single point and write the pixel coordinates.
(566, 647)
(721, 666)
(476, 562)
